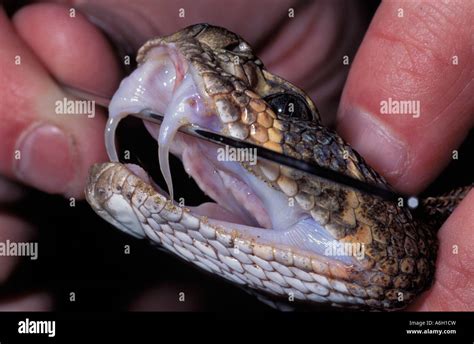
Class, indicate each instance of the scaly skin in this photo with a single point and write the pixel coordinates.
(400, 252)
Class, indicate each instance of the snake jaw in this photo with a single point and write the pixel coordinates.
(284, 249)
(164, 73)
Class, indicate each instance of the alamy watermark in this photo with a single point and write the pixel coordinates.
(75, 107)
(28, 326)
(19, 249)
(248, 155)
(345, 249)
(400, 107)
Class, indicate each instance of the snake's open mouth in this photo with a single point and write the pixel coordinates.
(166, 83)
(270, 227)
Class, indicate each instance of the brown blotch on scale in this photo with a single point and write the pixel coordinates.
(347, 218)
(401, 281)
(380, 235)
(240, 98)
(361, 234)
(389, 266)
(214, 84)
(380, 279)
(407, 265)
(392, 294)
(228, 112)
(328, 201)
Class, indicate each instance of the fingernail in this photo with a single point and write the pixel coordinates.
(382, 149)
(44, 158)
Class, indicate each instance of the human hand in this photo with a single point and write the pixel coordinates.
(411, 58)
(39, 148)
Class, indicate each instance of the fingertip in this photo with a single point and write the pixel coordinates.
(55, 158)
(73, 50)
(396, 110)
(48, 150)
(383, 149)
(451, 290)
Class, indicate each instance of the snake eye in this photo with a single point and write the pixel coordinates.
(289, 105)
(232, 46)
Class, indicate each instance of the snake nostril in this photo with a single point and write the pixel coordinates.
(290, 105)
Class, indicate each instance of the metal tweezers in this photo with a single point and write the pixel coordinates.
(279, 158)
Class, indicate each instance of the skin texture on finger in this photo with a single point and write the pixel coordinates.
(411, 58)
(453, 289)
(82, 57)
(14, 230)
(40, 147)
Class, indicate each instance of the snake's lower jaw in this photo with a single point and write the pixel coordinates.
(245, 204)
(264, 259)
(280, 262)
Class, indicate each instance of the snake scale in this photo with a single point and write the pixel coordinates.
(235, 95)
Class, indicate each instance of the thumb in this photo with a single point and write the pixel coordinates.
(415, 56)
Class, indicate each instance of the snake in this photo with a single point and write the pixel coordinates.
(280, 233)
